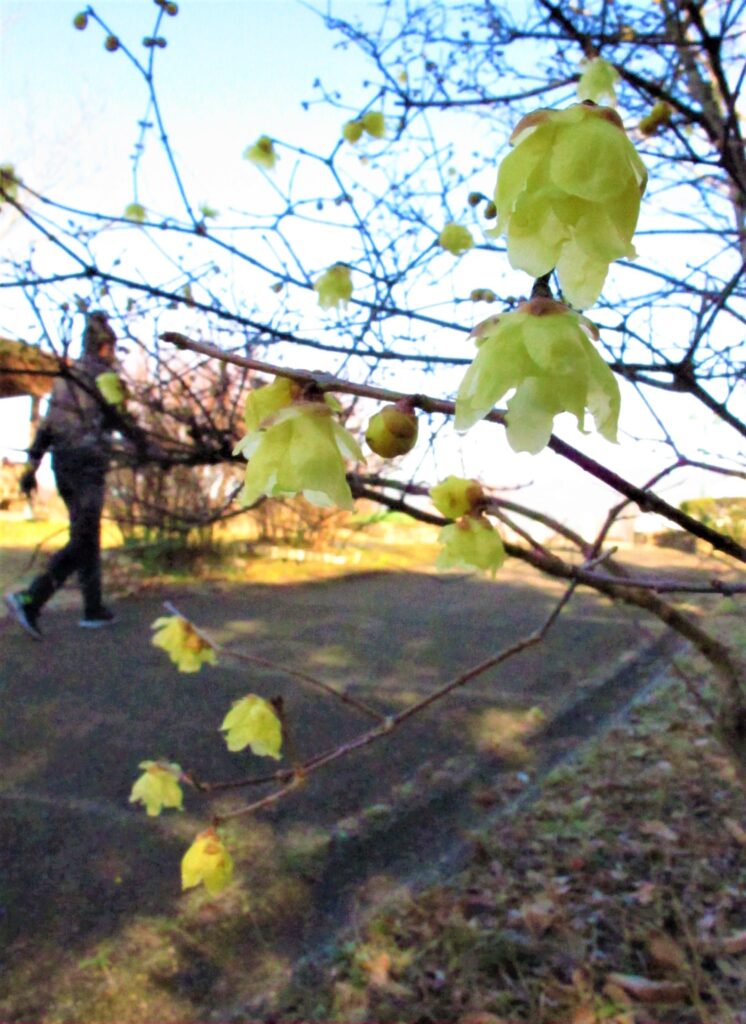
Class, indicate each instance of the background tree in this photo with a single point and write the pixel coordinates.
(446, 85)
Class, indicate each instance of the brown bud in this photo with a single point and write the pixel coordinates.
(490, 211)
(111, 43)
(172, 9)
(80, 21)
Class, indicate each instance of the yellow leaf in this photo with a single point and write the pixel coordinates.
(207, 861)
(252, 722)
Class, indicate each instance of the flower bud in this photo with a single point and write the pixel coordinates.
(455, 497)
(455, 239)
(392, 431)
(374, 124)
(80, 21)
(111, 43)
(352, 131)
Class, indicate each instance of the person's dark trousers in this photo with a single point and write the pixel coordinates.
(80, 477)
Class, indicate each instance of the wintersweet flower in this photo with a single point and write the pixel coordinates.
(207, 861)
(598, 82)
(543, 352)
(253, 722)
(113, 389)
(158, 787)
(298, 449)
(456, 239)
(455, 497)
(183, 644)
(334, 286)
(262, 153)
(568, 197)
(472, 542)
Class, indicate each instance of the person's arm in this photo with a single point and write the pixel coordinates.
(39, 446)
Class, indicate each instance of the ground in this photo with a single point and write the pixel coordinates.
(94, 926)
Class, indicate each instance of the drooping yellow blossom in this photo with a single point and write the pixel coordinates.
(598, 82)
(262, 153)
(568, 197)
(184, 646)
(253, 722)
(334, 286)
(544, 352)
(456, 239)
(472, 542)
(158, 787)
(207, 861)
(112, 388)
(455, 497)
(299, 449)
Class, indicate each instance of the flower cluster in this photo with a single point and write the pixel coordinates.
(295, 446)
(472, 541)
(543, 352)
(372, 124)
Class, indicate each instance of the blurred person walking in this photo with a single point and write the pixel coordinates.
(77, 431)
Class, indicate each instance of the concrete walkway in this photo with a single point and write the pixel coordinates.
(81, 709)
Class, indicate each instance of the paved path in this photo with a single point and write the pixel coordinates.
(81, 709)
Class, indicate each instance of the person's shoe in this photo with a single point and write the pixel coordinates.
(103, 617)
(24, 614)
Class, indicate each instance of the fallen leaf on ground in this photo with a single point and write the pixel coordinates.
(646, 991)
(666, 952)
(735, 830)
(660, 830)
(645, 893)
(538, 916)
(735, 943)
